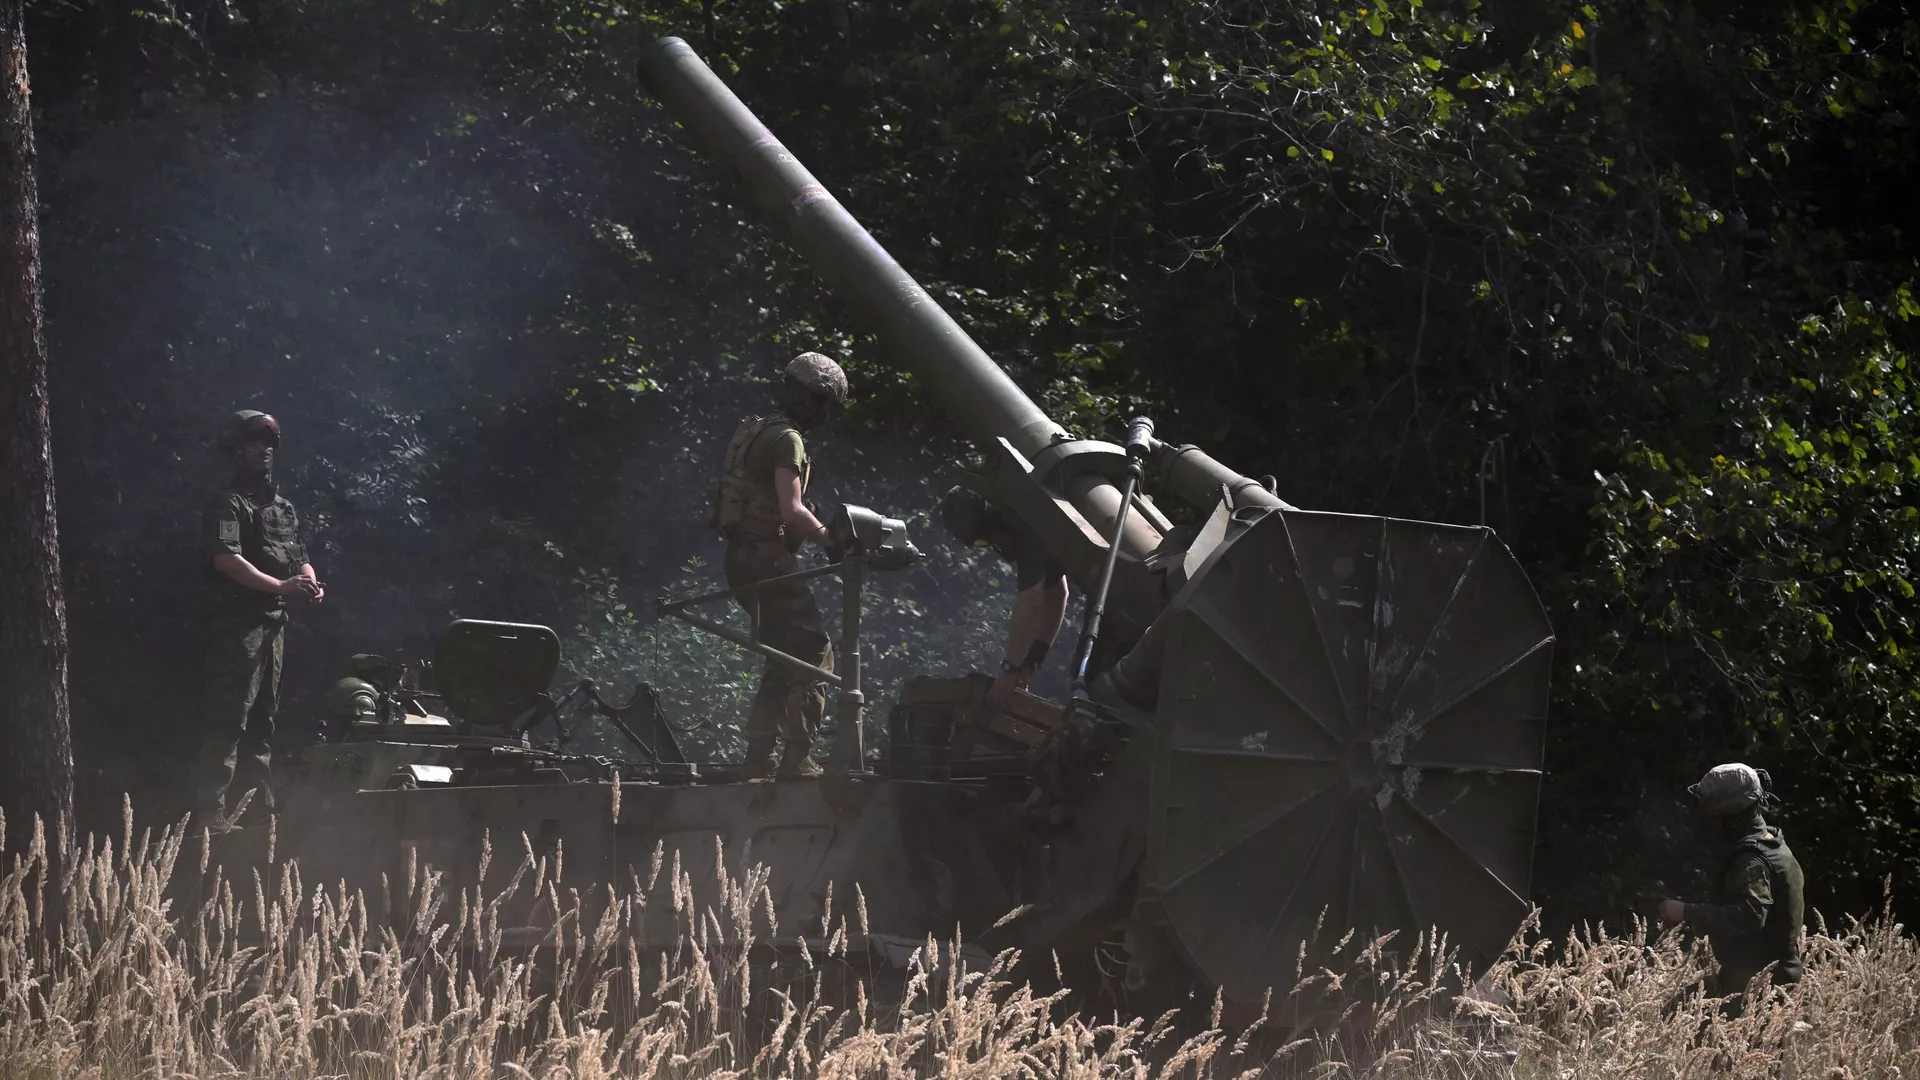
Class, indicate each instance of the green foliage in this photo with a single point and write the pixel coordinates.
(909, 628)
(1764, 597)
(1625, 280)
(705, 684)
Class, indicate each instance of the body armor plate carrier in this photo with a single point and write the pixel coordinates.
(744, 507)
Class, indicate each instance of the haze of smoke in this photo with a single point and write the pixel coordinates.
(945, 617)
(506, 368)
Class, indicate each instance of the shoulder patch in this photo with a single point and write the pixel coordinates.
(230, 530)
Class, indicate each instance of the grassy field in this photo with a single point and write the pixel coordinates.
(135, 958)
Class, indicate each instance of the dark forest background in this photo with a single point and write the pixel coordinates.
(1629, 281)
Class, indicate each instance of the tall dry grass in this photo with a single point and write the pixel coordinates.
(137, 958)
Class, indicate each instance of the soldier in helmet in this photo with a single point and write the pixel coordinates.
(1041, 602)
(760, 507)
(1758, 904)
(253, 559)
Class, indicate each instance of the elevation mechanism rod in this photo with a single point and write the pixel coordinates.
(851, 704)
(1139, 445)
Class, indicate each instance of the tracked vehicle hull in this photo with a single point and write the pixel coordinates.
(1346, 734)
(927, 858)
(1300, 722)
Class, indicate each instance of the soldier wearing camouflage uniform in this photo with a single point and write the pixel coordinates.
(252, 559)
(760, 507)
(1758, 904)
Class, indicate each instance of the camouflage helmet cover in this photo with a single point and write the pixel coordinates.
(1730, 788)
(817, 374)
(247, 425)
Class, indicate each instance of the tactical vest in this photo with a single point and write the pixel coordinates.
(744, 506)
(1778, 939)
(270, 540)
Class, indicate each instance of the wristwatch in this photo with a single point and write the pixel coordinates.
(1008, 667)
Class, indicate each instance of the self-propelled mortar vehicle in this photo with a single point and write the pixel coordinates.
(1292, 718)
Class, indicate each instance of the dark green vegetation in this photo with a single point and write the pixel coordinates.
(1628, 281)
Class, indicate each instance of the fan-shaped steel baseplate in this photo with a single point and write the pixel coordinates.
(1351, 719)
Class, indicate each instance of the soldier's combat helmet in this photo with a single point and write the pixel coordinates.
(247, 425)
(1731, 789)
(819, 376)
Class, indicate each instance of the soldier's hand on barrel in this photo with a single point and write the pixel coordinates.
(1672, 911)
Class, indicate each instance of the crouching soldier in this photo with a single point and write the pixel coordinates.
(1758, 905)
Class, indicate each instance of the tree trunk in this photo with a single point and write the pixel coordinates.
(36, 750)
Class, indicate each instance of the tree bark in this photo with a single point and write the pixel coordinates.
(36, 748)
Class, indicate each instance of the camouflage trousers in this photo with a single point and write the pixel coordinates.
(789, 703)
(241, 693)
(1731, 983)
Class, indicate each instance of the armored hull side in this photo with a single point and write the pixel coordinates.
(927, 858)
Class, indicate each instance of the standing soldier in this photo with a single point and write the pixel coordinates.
(253, 558)
(1758, 902)
(1041, 602)
(760, 507)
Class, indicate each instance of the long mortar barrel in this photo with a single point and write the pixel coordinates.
(960, 375)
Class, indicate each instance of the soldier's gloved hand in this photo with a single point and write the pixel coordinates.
(1672, 912)
(1004, 685)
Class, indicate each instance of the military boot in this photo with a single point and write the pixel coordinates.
(798, 763)
(760, 757)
